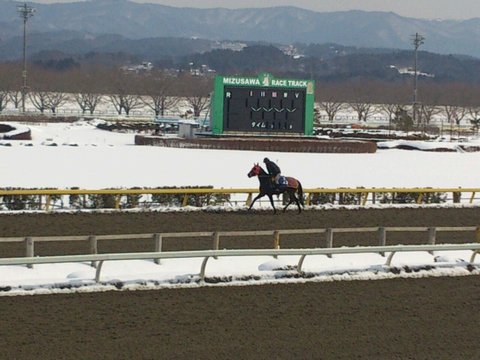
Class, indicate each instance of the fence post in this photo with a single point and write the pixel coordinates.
(93, 248)
(47, 203)
(419, 198)
(382, 238)
(329, 240)
(118, 198)
(457, 196)
(318, 241)
(157, 238)
(276, 241)
(431, 237)
(365, 198)
(29, 247)
(249, 199)
(216, 242)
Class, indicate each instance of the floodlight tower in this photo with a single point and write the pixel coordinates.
(25, 12)
(417, 40)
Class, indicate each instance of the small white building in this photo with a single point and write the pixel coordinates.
(187, 128)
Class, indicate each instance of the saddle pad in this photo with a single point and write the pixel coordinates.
(291, 182)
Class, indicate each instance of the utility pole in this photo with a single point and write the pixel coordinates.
(25, 12)
(417, 40)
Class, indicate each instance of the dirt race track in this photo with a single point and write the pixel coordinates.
(429, 318)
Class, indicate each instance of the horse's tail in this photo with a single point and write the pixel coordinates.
(300, 193)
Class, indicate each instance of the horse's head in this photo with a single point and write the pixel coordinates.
(256, 170)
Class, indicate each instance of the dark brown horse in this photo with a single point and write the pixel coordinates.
(269, 188)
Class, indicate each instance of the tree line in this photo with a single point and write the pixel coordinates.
(159, 90)
(454, 101)
(88, 86)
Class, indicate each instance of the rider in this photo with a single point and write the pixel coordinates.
(274, 172)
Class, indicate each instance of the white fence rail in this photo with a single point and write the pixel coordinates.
(328, 236)
(380, 233)
(207, 254)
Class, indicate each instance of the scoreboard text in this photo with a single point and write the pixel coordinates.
(264, 109)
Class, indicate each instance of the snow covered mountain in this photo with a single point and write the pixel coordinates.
(277, 24)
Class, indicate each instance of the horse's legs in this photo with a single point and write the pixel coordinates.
(297, 201)
(271, 202)
(256, 198)
(286, 206)
(298, 205)
(293, 198)
(289, 199)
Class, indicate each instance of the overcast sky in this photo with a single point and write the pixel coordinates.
(431, 9)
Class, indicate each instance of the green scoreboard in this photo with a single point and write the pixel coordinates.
(262, 105)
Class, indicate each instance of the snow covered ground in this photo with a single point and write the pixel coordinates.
(78, 154)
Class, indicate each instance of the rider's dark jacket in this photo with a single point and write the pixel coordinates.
(272, 168)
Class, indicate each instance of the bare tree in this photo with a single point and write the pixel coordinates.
(427, 112)
(475, 124)
(117, 102)
(93, 100)
(131, 102)
(126, 102)
(89, 82)
(4, 99)
(474, 112)
(196, 91)
(159, 95)
(390, 110)
(454, 113)
(56, 99)
(198, 103)
(15, 97)
(87, 101)
(123, 89)
(82, 101)
(362, 109)
(39, 99)
(8, 83)
(160, 103)
(331, 108)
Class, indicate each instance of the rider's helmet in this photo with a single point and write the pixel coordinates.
(266, 160)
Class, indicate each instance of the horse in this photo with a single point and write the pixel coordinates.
(268, 187)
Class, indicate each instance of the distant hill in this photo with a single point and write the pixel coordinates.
(282, 40)
(282, 25)
(330, 62)
(337, 63)
(76, 43)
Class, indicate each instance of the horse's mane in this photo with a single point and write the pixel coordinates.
(263, 172)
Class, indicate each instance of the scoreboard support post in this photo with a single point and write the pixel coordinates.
(262, 105)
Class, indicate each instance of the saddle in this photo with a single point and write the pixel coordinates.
(282, 183)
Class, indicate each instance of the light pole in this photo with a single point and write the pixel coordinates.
(417, 41)
(25, 12)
